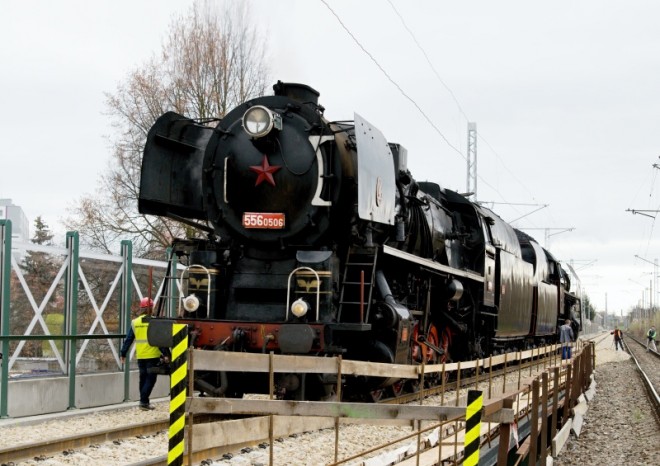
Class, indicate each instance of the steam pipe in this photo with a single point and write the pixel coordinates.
(384, 288)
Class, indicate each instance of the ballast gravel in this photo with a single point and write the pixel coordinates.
(619, 427)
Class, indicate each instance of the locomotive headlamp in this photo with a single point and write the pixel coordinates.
(258, 121)
(299, 307)
(191, 303)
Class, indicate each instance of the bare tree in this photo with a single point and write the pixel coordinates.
(212, 59)
(39, 270)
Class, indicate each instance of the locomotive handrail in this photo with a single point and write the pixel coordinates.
(224, 182)
(288, 291)
(208, 285)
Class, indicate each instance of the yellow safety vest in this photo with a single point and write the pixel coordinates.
(143, 350)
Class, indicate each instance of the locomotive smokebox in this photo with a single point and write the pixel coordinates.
(300, 92)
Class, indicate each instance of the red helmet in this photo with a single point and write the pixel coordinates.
(146, 302)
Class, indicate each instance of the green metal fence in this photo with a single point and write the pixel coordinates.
(69, 307)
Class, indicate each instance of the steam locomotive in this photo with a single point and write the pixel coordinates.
(320, 242)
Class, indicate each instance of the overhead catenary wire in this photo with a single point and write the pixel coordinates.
(459, 106)
(428, 60)
(462, 111)
(645, 243)
(428, 119)
(403, 93)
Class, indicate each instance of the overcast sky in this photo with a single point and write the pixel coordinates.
(565, 96)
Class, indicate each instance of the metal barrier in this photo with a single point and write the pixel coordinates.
(178, 391)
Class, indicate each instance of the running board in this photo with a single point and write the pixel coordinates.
(432, 265)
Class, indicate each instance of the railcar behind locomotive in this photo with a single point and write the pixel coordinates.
(321, 242)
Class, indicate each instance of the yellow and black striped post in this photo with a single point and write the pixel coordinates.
(473, 427)
(178, 389)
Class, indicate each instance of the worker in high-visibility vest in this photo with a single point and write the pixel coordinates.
(148, 357)
(650, 339)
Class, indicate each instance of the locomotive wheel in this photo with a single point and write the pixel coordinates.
(443, 343)
(432, 380)
(398, 388)
(445, 340)
(377, 395)
(413, 386)
(331, 396)
(422, 352)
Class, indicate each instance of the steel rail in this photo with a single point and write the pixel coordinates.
(652, 393)
(31, 450)
(654, 353)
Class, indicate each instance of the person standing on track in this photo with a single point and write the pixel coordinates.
(148, 357)
(566, 336)
(650, 339)
(618, 338)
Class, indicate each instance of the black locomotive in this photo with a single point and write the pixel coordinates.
(321, 242)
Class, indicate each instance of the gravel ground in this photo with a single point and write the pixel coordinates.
(618, 429)
(108, 453)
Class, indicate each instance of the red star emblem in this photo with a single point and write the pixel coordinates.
(265, 171)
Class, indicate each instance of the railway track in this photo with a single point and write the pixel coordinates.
(619, 425)
(646, 362)
(67, 444)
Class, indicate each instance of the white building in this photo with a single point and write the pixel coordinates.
(20, 227)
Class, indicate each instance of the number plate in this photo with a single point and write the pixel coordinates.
(274, 221)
